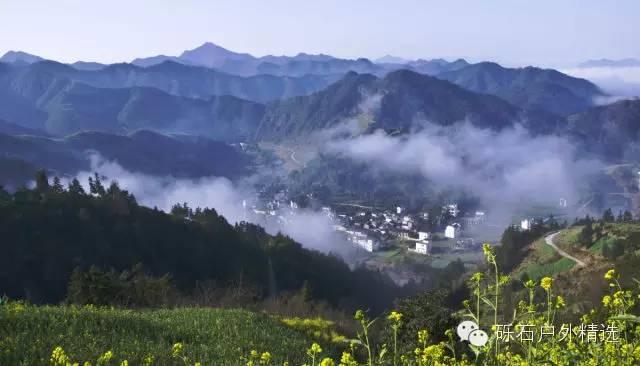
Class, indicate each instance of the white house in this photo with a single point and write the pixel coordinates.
(423, 248)
(452, 231)
(526, 224)
(423, 235)
(367, 244)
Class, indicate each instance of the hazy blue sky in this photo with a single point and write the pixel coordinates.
(544, 32)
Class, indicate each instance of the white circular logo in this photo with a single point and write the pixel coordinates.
(478, 338)
(465, 328)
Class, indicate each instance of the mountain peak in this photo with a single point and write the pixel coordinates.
(209, 46)
(19, 56)
(389, 59)
(212, 55)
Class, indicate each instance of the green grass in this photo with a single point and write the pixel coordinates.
(388, 253)
(28, 334)
(440, 263)
(568, 238)
(544, 261)
(598, 245)
(538, 270)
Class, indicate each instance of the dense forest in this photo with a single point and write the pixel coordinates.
(49, 231)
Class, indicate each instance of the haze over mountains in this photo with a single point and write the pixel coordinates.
(225, 96)
(627, 62)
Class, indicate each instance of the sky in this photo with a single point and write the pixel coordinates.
(514, 32)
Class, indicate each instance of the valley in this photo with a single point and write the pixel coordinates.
(287, 197)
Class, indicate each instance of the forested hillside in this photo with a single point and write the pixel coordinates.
(49, 231)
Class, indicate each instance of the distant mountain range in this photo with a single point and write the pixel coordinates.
(144, 152)
(175, 98)
(401, 101)
(627, 62)
(215, 57)
(611, 131)
(39, 98)
(170, 77)
(51, 112)
(530, 88)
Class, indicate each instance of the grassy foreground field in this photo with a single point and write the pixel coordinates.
(28, 334)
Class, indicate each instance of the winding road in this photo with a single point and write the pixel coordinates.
(549, 240)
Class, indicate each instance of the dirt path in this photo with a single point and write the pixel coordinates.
(549, 240)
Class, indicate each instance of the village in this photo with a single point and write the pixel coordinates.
(374, 229)
(400, 242)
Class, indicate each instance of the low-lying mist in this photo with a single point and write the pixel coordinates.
(618, 82)
(508, 170)
(312, 229)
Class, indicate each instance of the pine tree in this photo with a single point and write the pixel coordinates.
(5, 197)
(76, 188)
(607, 216)
(627, 217)
(586, 235)
(42, 181)
(95, 186)
(57, 186)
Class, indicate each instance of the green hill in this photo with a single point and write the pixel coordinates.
(610, 131)
(610, 245)
(49, 231)
(403, 100)
(143, 151)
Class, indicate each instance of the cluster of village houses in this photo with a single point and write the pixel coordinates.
(374, 229)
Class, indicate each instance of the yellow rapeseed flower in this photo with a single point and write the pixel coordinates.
(327, 362)
(348, 360)
(265, 357)
(176, 350)
(488, 251)
(58, 357)
(546, 283)
(611, 274)
(422, 336)
(315, 349)
(477, 277)
(395, 316)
